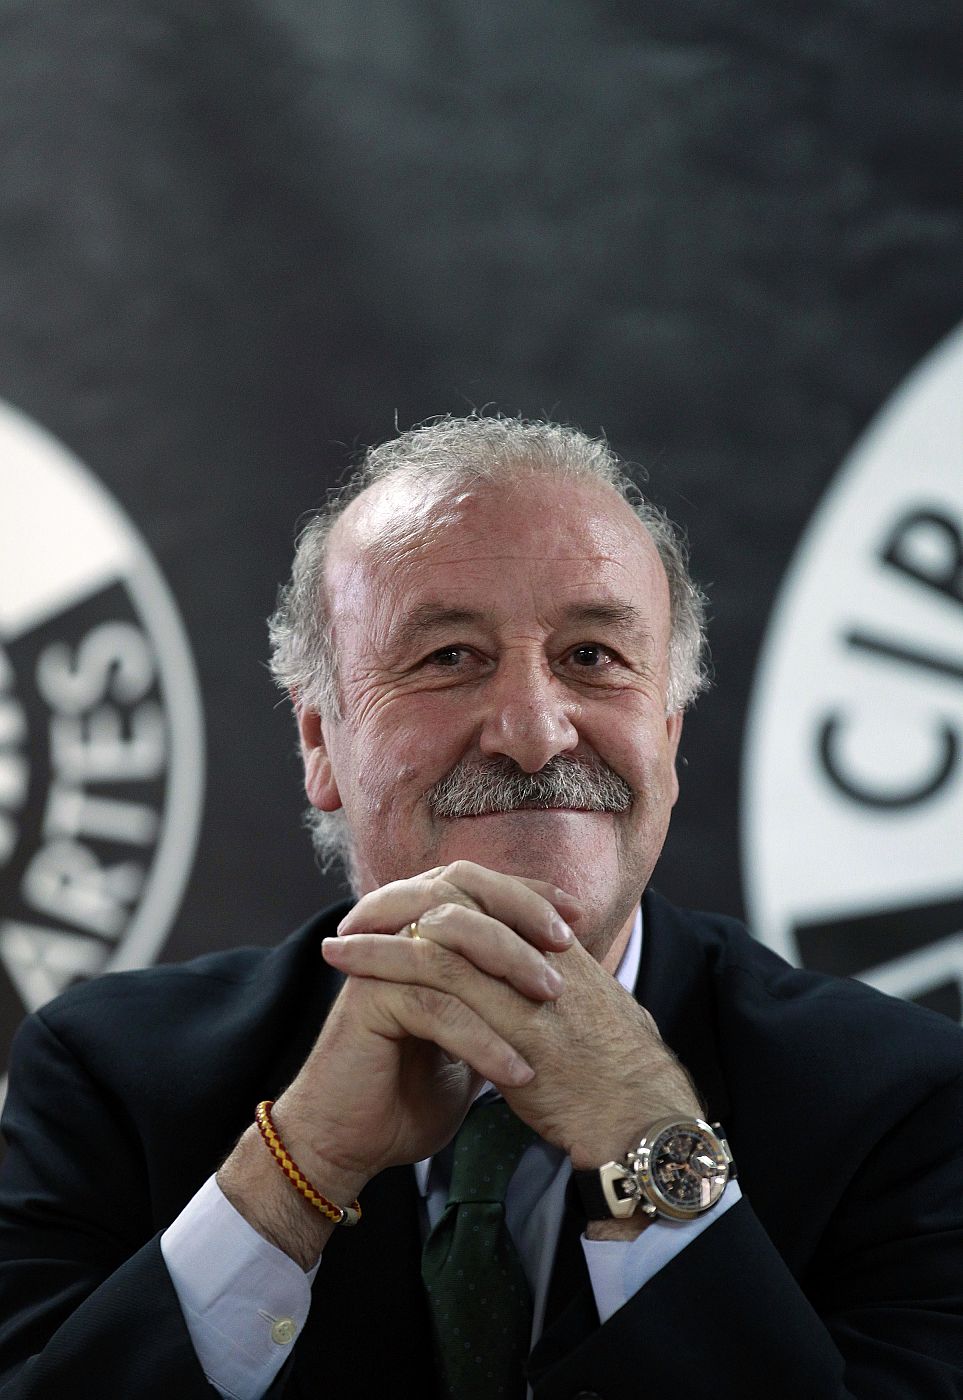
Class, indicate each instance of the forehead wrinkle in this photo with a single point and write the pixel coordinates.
(360, 561)
(484, 555)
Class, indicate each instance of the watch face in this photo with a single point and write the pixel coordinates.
(687, 1169)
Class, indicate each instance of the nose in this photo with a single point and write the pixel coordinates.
(529, 714)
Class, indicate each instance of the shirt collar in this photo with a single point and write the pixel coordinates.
(627, 974)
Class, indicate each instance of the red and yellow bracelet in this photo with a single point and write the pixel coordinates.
(341, 1215)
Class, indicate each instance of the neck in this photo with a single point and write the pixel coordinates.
(618, 946)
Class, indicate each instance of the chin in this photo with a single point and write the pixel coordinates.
(573, 850)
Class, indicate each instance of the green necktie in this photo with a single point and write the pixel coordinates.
(478, 1295)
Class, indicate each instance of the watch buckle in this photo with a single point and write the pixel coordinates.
(620, 1189)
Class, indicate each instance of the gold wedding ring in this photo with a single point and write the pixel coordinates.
(412, 930)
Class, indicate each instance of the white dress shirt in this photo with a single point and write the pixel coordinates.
(245, 1302)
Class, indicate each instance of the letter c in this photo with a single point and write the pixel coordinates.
(891, 801)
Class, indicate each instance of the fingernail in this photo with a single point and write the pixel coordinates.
(520, 1072)
(561, 933)
(567, 898)
(553, 979)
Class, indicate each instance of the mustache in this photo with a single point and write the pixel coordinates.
(478, 789)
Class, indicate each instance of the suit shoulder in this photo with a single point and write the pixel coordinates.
(208, 986)
(800, 1016)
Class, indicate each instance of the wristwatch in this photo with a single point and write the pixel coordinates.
(679, 1171)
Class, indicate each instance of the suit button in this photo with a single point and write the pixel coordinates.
(284, 1331)
(587, 1395)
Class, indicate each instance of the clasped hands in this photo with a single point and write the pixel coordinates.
(495, 987)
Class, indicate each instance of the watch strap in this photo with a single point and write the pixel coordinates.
(589, 1187)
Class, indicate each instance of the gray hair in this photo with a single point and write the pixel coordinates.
(458, 452)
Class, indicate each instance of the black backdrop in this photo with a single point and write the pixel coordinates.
(240, 240)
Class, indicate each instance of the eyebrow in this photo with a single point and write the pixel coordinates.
(429, 617)
(606, 614)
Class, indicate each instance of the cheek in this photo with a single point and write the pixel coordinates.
(635, 743)
(398, 762)
(645, 759)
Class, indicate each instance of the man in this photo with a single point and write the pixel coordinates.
(489, 642)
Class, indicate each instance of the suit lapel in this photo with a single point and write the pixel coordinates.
(368, 1331)
(570, 1311)
(675, 986)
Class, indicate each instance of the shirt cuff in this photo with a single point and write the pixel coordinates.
(244, 1301)
(619, 1268)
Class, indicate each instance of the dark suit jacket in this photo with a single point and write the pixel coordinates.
(839, 1274)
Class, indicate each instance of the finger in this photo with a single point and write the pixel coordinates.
(568, 905)
(560, 898)
(391, 907)
(493, 948)
(522, 905)
(451, 940)
(442, 1018)
(537, 902)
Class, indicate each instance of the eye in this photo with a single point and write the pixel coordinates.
(591, 656)
(446, 657)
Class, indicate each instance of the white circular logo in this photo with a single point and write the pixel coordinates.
(101, 739)
(853, 779)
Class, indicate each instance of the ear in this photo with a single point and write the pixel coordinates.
(673, 729)
(319, 783)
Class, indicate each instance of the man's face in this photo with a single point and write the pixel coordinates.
(520, 622)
